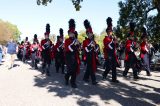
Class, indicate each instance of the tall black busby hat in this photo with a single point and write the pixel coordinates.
(61, 33)
(47, 30)
(35, 36)
(88, 26)
(71, 26)
(109, 24)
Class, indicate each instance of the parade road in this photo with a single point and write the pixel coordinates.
(24, 86)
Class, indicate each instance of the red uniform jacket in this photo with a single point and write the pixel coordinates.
(35, 48)
(86, 44)
(106, 41)
(46, 46)
(68, 49)
(144, 49)
(109, 45)
(67, 43)
(128, 47)
(57, 46)
(59, 51)
(20, 47)
(27, 47)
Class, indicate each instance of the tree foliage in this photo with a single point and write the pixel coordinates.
(76, 3)
(7, 31)
(138, 11)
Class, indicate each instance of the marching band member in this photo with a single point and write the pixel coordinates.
(90, 54)
(78, 46)
(26, 50)
(71, 57)
(46, 45)
(97, 50)
(145, 52)
(83, 53)
(52, 52)
(59, 52)
(131, 59)
(20, 51)
(35, 52)
(110, 52)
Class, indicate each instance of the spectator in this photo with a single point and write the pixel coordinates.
(11, 50)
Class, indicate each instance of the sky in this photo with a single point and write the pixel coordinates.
(31, 19)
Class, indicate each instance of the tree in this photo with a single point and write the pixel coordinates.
(137, 11)
(76, 3)
(7, 31)
(81, 36)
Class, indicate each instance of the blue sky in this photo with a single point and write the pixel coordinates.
(31, 18)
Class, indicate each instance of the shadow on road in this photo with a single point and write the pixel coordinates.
(122, 93)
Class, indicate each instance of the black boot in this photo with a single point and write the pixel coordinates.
(32, 64)
(62, 69)
(43, 68)
(115, 81)
(43, 71)
(57, 69)
(94, 83)
(104, 76)
(149, 74)
(136, 77)
(48, 73)
(124, 74)
(85, 80)
(73, 81)
(66, 77)
(35, 65)
(73, 85)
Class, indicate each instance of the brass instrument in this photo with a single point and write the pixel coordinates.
(97, 48)
(92, 44)
(75, 41)
(60, 47)
(113, 41)
(47, 45)
(136, 50)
